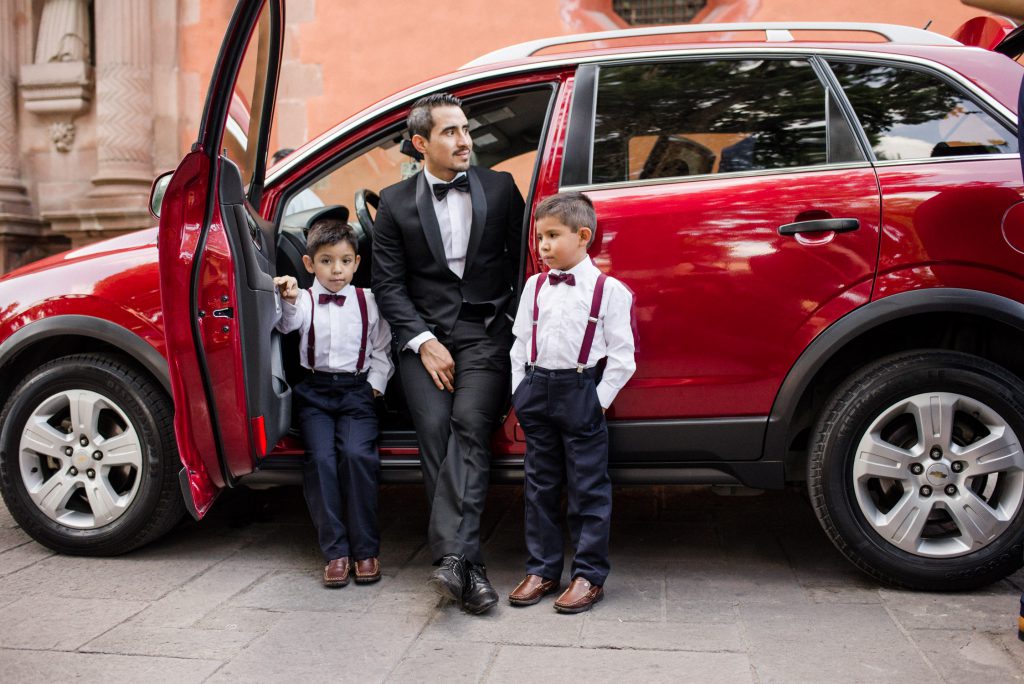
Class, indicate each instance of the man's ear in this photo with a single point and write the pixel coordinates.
(308, 263)
(420, 143)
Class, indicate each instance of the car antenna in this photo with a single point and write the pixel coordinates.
(927, 25)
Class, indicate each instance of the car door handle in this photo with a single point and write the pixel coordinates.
(833, 225)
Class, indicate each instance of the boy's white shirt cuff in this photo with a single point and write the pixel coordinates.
(377, 380)
(415, 343)
(606, 394)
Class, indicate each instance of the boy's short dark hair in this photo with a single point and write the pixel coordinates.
(327, 232)
(420, 120)
(572, 209)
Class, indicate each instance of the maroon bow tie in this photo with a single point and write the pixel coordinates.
(567, 278)
(328, 298)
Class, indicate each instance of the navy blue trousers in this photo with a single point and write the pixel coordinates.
(341, 469)
(566, 447)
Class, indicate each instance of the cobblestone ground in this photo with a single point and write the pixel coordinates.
(704, 588)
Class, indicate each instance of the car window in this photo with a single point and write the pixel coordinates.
(506, 132)
(688, 118)
(912, 114)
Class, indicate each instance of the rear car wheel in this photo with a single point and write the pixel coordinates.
(88, 461)
(917, 470)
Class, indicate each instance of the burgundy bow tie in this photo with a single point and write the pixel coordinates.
(338, 299)
(441, 189)
(556, 278)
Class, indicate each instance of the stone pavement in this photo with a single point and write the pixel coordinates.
(704, 588)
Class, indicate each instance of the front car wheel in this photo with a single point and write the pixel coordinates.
(87, 456)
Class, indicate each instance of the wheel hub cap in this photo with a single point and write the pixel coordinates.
(939, 475)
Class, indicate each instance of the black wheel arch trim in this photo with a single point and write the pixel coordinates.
(861, 320)
(88, 326)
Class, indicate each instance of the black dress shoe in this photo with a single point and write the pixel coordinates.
(479, 596)
(449, 579)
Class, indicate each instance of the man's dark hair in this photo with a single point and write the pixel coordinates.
(420, 120)
(281, 154)
(327, 232)
(572, 209)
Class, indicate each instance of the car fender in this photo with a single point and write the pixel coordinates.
(861, 320)
(88, 326)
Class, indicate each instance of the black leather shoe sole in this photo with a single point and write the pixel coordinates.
(445, 588)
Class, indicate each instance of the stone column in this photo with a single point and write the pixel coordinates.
(13, 199)
(20, 231)
(124, 102)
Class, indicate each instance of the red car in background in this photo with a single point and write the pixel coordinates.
(822, 224)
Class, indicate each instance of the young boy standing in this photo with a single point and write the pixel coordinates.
(568, 319)
(345, 350)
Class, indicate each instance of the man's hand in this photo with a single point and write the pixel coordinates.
(288, 286)
(377, 394)
(439, 364)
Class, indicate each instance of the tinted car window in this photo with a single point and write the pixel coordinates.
(911, 114)
(688, 118)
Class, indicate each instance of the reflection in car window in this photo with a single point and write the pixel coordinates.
(689, 118)
(506, 130)
(910, 114)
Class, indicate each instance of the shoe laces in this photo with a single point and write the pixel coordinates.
(478, 573)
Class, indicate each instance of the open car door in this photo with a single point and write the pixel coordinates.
(216, 269)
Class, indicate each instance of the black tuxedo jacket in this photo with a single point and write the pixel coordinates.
(413, 286)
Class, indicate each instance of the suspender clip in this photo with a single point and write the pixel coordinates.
(592, 319)
(579, 367)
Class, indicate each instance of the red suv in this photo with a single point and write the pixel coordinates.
(822, 224)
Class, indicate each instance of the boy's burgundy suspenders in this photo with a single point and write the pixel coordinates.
(311, 336)
(588, 335)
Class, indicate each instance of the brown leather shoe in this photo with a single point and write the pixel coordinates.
(580, 596)
(367, 570)
(531, 590)
(336, 572)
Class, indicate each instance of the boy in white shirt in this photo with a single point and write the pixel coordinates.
(568, 319)
(344, 347)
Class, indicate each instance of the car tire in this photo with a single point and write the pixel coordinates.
(916, 471)
(88, 459)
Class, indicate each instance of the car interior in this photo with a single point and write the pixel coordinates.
(506, 130)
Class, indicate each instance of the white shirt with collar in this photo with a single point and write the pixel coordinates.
(338, 332)
(455, 218)
(564, 312)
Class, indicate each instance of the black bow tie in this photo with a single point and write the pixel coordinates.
(338, 299)
(441, 189)
(556, 278)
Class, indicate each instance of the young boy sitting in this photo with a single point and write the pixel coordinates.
(345, 349)
(568, 319)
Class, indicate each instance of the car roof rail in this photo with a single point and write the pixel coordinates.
(774, 32)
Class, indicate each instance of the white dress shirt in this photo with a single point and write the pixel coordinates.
(455, 218)
(338, 332)
(562, 324)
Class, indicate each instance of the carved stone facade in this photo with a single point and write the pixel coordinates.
(99, 96)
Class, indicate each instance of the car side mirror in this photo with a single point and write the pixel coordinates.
(156, 193)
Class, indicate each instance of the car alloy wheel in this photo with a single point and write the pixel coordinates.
(88, 461)
(80, 459)
(939, 475)
(916, 470)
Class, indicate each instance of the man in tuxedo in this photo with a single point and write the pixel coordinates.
(445, 259)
